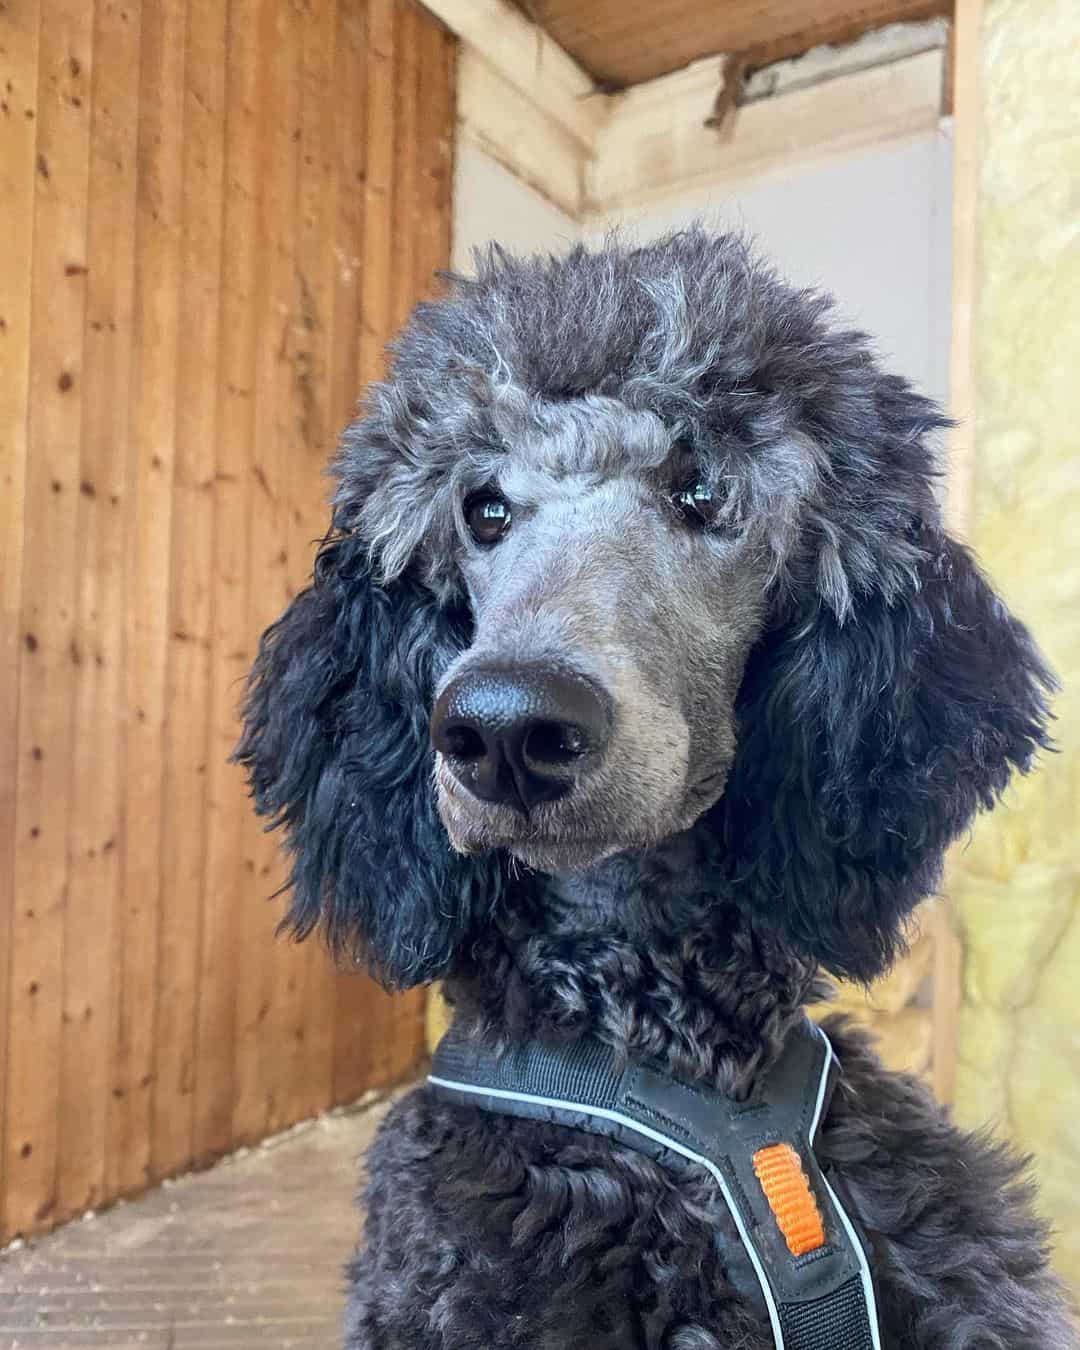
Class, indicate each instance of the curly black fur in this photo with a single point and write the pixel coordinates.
(337, 746)
(889, 696)
(867, 747)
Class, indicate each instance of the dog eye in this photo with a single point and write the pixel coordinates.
(487, 516)
(697, 503)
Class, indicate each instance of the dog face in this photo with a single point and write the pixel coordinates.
(615, 588)
(631, 540)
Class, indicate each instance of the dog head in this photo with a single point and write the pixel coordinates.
(632, 540)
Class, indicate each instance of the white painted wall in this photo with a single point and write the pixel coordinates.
(491, 203)
(872, 226)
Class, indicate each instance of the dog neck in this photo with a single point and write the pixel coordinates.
(645, 951)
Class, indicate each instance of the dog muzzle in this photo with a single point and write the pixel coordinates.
(809, 1261)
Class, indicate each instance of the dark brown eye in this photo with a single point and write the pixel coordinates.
(487, 516)
(697, 503)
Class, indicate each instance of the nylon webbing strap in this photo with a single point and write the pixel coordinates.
(808, 1260)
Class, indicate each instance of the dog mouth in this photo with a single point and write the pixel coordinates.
(551, 830)
(570, 833)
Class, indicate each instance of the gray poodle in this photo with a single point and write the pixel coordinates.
(637, 686)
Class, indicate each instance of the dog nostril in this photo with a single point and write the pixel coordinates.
(554, 743)
(520, 736)
(463, 742)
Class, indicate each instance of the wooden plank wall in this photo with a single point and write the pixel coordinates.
(215, 214)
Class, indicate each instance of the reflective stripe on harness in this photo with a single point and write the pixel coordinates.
(808, 1260)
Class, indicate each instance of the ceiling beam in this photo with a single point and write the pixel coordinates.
(621, 44)
(528, 59)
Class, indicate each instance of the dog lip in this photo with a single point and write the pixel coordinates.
(474, 824)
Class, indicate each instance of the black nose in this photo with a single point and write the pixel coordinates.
(521, 735)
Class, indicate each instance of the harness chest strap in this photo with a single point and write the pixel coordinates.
(808, 1260)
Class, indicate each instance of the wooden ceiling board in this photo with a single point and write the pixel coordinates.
(624, 42)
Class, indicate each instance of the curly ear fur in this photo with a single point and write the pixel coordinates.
(336, 746)
(867, 744)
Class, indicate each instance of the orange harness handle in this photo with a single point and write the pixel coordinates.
(790, 1198)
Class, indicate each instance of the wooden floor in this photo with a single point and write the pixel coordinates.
(247, 1254)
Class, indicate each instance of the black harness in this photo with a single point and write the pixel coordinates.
(810, 1264)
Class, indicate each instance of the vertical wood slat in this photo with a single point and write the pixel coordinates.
(196, 270)
(350, 72)
(148, 520)
(18, 148)
(228, 812)
(97, 652)
(43, 775)
(435, 151)
(405, 194)
(376, 261)
(186, 723)
(261, 872)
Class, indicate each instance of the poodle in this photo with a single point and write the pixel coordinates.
(638, 688)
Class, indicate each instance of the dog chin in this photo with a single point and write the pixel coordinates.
(544, 846)
(563, 855)
(552, 856)
(553, 851)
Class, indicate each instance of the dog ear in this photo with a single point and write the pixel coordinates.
(867, 745)
(335, 743)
